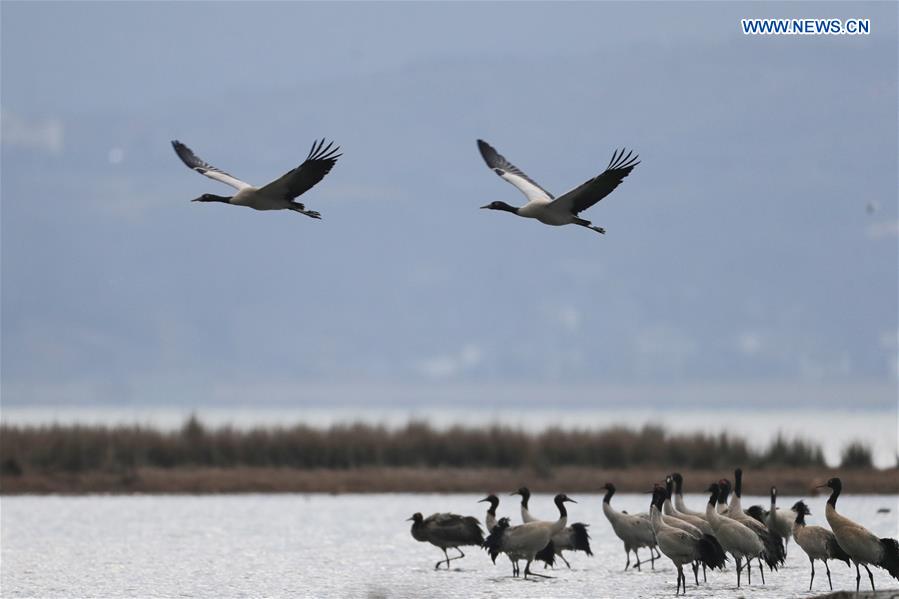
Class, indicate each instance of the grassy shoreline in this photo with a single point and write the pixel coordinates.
(212, 480)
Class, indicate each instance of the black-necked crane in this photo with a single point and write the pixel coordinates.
(862, 546)
(738, 540)
(570, 538)
(693, 525)
(277, 195)
(773, 555)
(817, 542)
(525, 498)
(780, 522)
(524, 541)
(564, 210)
(680, 546)
(447, 531)
(633, 530)
(546, 555)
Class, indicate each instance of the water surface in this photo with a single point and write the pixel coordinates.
(337, 546)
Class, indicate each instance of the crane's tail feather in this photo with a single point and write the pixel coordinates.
(711, 553)
(774, 554)
(890, 559)
(581, 538)
(837, 552)
(547, 554)
(494, 541)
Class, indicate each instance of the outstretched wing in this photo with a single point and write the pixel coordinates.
(582, 197)
(194, 162)
(318, 163)
(513, 174)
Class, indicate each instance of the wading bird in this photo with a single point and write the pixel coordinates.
(736, 539)
(445, 531)
(564, 210)
(681, 547)
(633, 530)
(780, 521)
(277, 195)
(817, 542)
(570, 538)
(773, 554)
(524, 541)
(862, 546)
(546, 555)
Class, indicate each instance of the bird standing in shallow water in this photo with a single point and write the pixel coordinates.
(277, 195)
(817, 542)
(541, 204)
(862, 546)
(445, 531)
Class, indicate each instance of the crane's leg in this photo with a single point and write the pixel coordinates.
(762, 570)
(870, 576)
(527, 570)
(737, 559)
(813, 573)
(437, 565)
(828, 574)
(695, 573)
(654, 556)
(858, 577)
(637, 555)
(564, 560)
(297, 207)
(704, 579)
(587, 224)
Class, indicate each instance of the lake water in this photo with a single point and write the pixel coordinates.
(340, 546)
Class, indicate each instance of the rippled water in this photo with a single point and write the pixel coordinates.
(337, 546)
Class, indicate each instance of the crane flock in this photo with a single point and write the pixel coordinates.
(722, 534)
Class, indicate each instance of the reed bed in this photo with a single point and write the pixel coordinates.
(78, 448)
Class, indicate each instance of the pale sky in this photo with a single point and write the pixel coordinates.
(755, 245)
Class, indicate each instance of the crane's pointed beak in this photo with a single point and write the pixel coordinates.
(487, 206)
(572, 500)
(483, 500)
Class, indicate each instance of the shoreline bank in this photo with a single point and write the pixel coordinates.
(213, 480)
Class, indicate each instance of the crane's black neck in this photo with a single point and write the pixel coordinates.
(669, 486)
(836, 488)
(713, 498)
(738, 482)
(773, 497)
(610, 490)
(525, 497)
(800, 518)
(563, 513)
(678, 483)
